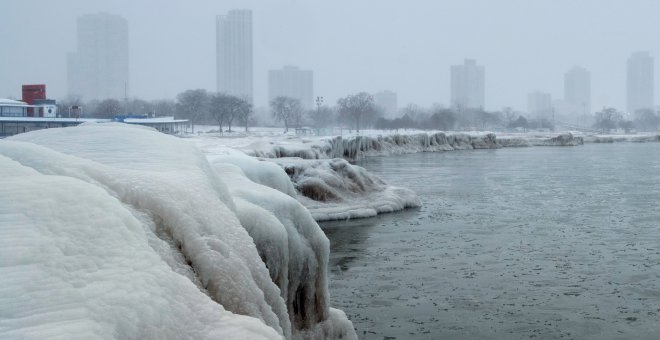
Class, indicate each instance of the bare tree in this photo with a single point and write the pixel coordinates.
(509, 115)
(286, 110)
(139, 106)
(608, 119)
(218, 108)
(244, 112)
(647, 120)
(321, 117)
(357, 108)
(164, 107)
(224, 108)
(194, 105)
(108, 108)
(71, 107)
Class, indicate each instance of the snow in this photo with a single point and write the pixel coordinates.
(334, 189)
(118, 231)
(272, 143)
(75, 262)
(11, 102)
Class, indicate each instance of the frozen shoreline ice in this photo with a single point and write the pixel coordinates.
(129, 233)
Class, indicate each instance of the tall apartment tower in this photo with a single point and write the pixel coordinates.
(467, 86)
(640, 82)
(99, 67)
(234, 53)
(539, 105)
(292, 82)
(388, 102)
(577, 90)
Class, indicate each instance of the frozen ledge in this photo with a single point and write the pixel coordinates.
(355, 147)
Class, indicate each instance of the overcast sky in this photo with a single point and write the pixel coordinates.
(351, 45)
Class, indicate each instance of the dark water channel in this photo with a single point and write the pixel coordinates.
(547, 243)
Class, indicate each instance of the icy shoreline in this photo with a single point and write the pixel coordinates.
(323, 185)
(117, 231)
(271, 143)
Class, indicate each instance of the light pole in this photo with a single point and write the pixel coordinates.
(319, 102)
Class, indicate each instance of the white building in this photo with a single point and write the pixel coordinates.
(640, 82)
(292, 82)
(539, 105)
(577, 91)
(388, 102)
(467, 86)
(234, 53)
(99, 67)
(13, 108)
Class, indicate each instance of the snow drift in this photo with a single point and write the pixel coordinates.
(119, 231)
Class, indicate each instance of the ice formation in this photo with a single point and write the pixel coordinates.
(355, 147)
(564, 139)
(117, 231)
(333, 189)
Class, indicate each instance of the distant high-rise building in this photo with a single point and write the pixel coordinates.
(577, 91)
(99, 67)
(467, 86)
(292, 82)
(388, 102)
(539, 104)
(234, 53)
(640, 82)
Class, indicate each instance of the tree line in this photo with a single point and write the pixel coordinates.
(355, 111)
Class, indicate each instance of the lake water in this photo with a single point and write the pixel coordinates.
(547, 243)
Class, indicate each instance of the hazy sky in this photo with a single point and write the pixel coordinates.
(352, 45)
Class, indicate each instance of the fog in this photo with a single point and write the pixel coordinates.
(351, 46)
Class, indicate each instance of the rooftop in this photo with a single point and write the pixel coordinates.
(4, 101)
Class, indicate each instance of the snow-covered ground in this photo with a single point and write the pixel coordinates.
(118, 231)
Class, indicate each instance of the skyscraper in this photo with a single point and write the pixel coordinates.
(234, 53)
(388, 102)
(539, 105)
(577, 91)
(467, 86)
(292, 82)
(99, 67)
(640, 82)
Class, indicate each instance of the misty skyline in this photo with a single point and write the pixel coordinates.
(367, 46)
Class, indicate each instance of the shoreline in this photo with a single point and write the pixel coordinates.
(327, 182)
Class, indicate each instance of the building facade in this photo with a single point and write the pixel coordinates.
(539, 105)
(467, 86)
(234, 53)
(292, 82)
(577, 91)
(639, 83)
(388, 102)
(13, 108)
(99, 67)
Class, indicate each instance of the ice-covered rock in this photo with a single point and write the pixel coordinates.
(513, 142)
(566, 139)
(334, 189)
(356, 147)
(187, 265)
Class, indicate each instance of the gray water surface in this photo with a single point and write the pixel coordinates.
(543, 243)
